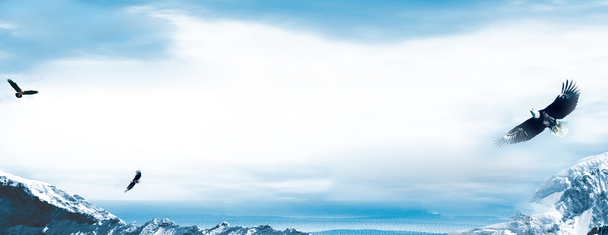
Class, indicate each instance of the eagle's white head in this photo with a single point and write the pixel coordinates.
(535, 113)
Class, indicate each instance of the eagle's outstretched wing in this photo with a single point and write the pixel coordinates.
(14, 85)
(131, 185)
(523, 132)
(30, 92)
(565, 102)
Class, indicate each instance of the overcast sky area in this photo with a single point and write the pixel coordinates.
(298, 107)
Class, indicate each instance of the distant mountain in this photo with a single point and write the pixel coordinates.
(370, 232)
(34, 207)
(579, 195)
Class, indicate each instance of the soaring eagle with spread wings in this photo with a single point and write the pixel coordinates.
(563, 105)
(20, 92)
(134, 181)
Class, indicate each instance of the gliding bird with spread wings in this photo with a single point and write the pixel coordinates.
(134, 181)
(563, 105)
(20, 92)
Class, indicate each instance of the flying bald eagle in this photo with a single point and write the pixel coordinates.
(563, 105)
(20, 92)
(134, 181)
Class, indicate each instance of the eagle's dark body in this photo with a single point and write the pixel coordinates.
(549, 117)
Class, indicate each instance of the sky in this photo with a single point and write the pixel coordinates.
(299, 108)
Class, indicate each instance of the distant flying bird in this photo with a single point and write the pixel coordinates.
(20, 92)
(134, 181)
(563, 105)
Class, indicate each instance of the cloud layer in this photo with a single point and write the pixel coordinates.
(239, 111)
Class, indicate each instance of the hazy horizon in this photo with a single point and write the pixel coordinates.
(317, 219)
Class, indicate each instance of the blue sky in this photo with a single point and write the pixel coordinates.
(285, 106)
(105, 28)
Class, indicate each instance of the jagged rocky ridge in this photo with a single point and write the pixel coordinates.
(579, 195)
(34, 207)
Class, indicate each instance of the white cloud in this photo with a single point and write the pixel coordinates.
(372, 120)
(6, 26)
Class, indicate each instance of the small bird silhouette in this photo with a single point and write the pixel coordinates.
(134, 181)
(21, 92)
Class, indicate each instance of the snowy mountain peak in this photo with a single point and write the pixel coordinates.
(582, 187)
(38, 202)
(578, 194)
(586, 167)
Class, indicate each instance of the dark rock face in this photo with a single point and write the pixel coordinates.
(19, 206)
(69, 227)
(599, 231)
(578, 197)
(587, 191)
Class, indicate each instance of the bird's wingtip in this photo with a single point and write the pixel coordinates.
(500, 142)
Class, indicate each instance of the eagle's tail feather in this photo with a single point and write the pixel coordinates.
(560, 129)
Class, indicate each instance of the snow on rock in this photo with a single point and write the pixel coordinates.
(34, 203)
(225, 229)
(152, 227)
(579, 195)
(583, 187)
(34, 207)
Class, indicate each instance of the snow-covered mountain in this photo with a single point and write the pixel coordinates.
(579, 195)
(34, 207)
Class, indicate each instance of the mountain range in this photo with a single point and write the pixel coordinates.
(578, 197)
(34, 207)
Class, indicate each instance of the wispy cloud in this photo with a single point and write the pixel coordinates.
(44, 32)
(6, 26)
